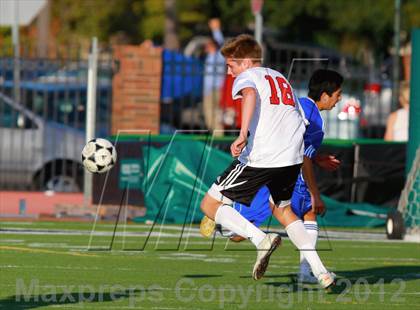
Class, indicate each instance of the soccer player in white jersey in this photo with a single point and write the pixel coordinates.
(306, 202)
(270, 151)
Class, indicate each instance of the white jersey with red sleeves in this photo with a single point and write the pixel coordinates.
(277, 126)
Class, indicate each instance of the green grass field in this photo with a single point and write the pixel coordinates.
(47, 265)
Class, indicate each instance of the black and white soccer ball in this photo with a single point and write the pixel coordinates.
(99, 155)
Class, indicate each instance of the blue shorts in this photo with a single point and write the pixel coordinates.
(259, 210)
(301, 202)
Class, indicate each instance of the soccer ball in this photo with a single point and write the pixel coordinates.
(99, 155)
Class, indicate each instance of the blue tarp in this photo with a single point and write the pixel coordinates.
(182, 76)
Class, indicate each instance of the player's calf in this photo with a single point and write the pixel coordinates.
(236, 238)
(209, 206)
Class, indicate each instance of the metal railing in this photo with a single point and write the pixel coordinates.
(42, 133)
(298, 62)
(187, 105)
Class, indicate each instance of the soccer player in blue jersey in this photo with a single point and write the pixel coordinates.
(324, 93)
(306, 202)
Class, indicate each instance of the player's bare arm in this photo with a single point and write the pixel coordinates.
(318, 206)
(249, 96)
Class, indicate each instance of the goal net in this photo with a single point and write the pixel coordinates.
(409, 203)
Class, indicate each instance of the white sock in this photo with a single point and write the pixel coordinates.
(301, 239)
(231, 219)
(312, 230)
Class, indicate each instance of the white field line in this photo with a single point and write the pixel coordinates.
(333, 233)
(111, 228)
(55, 224)
(184, 244)
(136, 228)
(176, 236)
(194, 232)
(179, 228)
(206, 260)
(83, 247)
(185, 255)
(98, 233)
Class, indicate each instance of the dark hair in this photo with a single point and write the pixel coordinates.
(243, 46)
(324, 81)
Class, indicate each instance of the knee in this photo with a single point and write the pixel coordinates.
(310, 216)
(287, 211)
(205, 206)
(280, 211)
(209, 206)
(285, 215)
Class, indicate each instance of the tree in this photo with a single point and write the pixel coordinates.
(136, 19)
(350, 26)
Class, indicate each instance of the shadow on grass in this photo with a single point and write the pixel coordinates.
(347, 278)
(29, 301)
(293, 286)
(387, 274)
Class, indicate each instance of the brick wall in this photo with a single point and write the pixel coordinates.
(136, 88)
(35, 203)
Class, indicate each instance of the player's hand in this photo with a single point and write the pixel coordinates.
(318, 206)
(214, 24)
(327, 162)
(237, 146)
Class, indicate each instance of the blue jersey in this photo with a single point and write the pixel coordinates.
(259, 210)
(314, 134)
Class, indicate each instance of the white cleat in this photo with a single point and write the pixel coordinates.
(326, 280)
(306, 278)
(264, 251)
